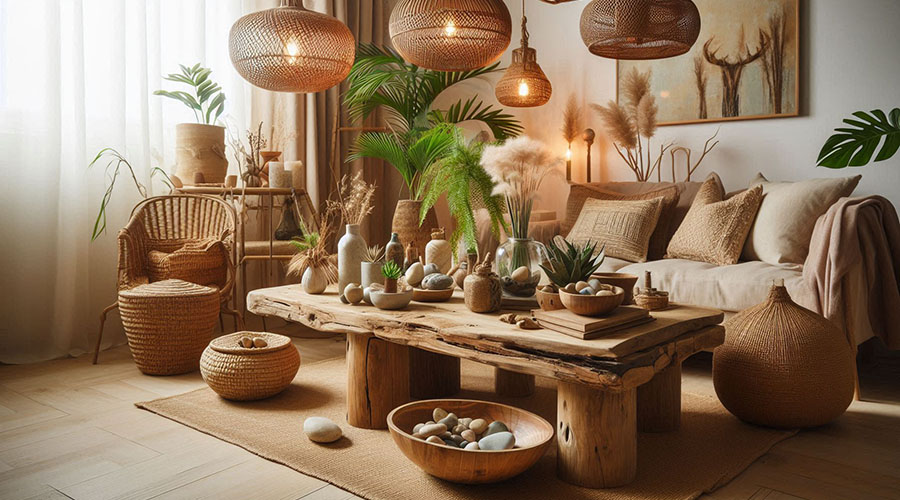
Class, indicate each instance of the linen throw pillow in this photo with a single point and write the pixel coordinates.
(580, 193)
(622, 227)
(788, 214)
(714, 229)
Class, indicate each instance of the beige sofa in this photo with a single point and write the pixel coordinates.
(729, 288)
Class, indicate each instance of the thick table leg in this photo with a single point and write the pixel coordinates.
(432, 375)
(513, 384)
(596, 436)
(659, 401)
(377, 380)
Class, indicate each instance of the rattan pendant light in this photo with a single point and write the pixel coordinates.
(450, 35)
(640, 29)
(524, 85)
(291, 49)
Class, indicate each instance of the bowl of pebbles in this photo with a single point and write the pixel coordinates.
(591, 298)
(467, 441)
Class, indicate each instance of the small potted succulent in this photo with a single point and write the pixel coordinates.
(372, 263)
(567, 264)
(394, 295)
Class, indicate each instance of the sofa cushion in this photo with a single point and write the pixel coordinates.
(202, 262)
(715, 229)
(787, 215)
(730, 288)
(623, 228)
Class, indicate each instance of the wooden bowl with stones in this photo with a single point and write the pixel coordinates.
(593, 305)
(532, 436)
(423, 295)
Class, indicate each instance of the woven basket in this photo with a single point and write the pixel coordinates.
(246, 374)
(406, 224)
(168, 324)
(783, 366)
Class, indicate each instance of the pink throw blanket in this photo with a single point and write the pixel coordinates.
(865, 232)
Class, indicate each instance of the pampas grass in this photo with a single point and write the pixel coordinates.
(571, 120)
(354, 201)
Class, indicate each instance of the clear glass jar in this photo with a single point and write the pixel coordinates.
(518, 265)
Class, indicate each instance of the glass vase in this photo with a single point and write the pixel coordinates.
(518, 265)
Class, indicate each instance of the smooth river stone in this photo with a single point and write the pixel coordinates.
(437, 282)
(431, 430)
(478, 425)
(469, 435)
(450, 420)
(581, 285)
(472, 446)
(438, 414)
(586, 291)
(595, 283)
(321, 430)
(497, 441)
(521, 274)
(431, 269)
(417, 428)
(415, 273)
(435, 440)
(465, 421)
(605, 293)
(496, 427)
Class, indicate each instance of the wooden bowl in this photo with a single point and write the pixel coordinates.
(592, 305)
(423, 295)
(621, 280)
(548, 301)
(533, 435)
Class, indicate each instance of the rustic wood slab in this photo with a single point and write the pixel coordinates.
(587, 328)
(621, 360)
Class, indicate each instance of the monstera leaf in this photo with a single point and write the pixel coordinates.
(854, 146)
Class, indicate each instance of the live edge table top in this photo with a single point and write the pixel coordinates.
(621, 360)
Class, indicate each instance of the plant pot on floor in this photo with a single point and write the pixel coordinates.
(200, 149)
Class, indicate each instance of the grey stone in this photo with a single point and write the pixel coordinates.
(431, 269)
(437, 281)
(495, 427)
(450, 420)
(498, 441)
(431, 430)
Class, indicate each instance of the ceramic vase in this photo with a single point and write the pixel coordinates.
(438, 251)
(394, 250)
(518, 264)
(351, 251)
(314, 280)
(371, 273)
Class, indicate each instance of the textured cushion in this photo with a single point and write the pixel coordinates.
(729, 288)
(579, 193)
(622, 227)
(787, 215)
(714, 230)
(202, 262)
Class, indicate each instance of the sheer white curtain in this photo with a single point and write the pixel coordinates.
(76, 76)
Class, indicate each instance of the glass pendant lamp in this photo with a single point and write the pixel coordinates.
(640, 29)
(524, 85)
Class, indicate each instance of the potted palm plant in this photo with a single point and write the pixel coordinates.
(199, 147)
(418, 133)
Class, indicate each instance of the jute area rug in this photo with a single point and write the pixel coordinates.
(710, 449)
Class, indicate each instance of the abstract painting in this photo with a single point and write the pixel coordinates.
(745, 65)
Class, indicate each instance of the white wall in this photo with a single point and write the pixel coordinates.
(849, 61)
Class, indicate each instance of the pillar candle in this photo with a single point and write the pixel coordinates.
(298, 174)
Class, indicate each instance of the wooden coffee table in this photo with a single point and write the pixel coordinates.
(609, 388)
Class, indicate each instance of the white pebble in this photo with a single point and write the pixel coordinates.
(321, 430)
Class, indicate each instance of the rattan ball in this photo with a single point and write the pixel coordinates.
(783, 365)
(291, 49)
(249, 373)
(640, 29)
(450, 35)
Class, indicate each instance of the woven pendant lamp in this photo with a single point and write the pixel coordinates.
(450, 35)
(640, 29)
(524, 85)
(291, 49)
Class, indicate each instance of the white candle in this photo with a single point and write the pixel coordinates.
(298, 174)
(277, 176)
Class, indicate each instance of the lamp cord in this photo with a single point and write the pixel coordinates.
(525, 34)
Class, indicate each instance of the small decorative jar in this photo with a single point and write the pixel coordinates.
(371, 273)
(351, 251)
(438, 251)
(483, 292)
(314, 280)
(394, 250)
(518, 264)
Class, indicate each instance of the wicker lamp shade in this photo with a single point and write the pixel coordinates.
(524, 85)
(640, 29)
(783, 365)
(291, 49)
(450, 35)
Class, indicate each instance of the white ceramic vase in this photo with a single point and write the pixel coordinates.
(351, 251)
(314, 280)
(438, 251)
(371, 273)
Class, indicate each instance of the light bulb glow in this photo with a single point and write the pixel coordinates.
(523, 89)
(450, 29)
(292, 51)
(568, 154)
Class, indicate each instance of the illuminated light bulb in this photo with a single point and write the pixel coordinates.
(292, 51)
(450, 29)
(568, 154)
(523, 89)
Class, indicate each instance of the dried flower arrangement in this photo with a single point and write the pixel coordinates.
(354, 199)
(248, 161)
(374, 254)
(313, 249)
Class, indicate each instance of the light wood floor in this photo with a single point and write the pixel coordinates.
(69, 430)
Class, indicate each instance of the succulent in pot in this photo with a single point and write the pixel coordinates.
(567, 264)
(391, 272)
(371, 265)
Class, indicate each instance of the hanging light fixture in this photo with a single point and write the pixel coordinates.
(640, 29)
(291, 49)
(450, 35)
(524, 85)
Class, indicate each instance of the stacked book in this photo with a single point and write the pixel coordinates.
(586, 328)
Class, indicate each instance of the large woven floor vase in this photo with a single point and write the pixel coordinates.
(406, 224)
(783, 366)
(245, 374)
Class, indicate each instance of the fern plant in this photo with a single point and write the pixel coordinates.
(468, 186)
(855, 146)
(571, 264)
(208, 100)
(381, 79)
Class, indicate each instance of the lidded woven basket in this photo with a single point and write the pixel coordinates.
(783, 365)
(245, 374)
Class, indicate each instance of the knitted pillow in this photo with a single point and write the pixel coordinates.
(714, 229)
(202, 262)
(622, 227)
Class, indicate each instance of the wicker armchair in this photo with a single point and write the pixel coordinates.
(194, 228)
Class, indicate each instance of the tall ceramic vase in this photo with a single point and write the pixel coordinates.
(351, 251)
(438, 251)
(406, 224)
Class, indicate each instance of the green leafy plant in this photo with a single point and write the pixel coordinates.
(116, 164)
(208, 100)
(854, 146)
(468, 186)
(570, 263)
(381, 79)
(391, 270)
